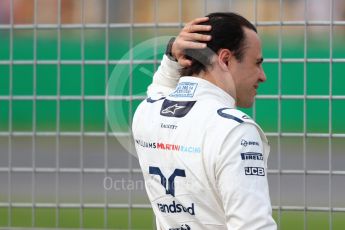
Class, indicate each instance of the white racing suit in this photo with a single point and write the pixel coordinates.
(204, 162)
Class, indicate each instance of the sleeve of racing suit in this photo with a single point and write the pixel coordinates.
(166, 77)
(241, 175)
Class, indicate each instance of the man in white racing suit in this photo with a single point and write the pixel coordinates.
(205, 162)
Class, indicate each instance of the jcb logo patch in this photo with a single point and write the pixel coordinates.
(254, 171)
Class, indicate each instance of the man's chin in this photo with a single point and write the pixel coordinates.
(245, 104)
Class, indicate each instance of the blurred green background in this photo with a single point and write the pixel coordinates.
(94, 78)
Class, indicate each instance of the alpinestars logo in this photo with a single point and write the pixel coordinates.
(172, 109)
(183, 227)
(176, 108)
(246, 143)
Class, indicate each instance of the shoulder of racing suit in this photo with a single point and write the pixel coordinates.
(239, 117)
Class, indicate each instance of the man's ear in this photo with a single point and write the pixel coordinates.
(224, 58)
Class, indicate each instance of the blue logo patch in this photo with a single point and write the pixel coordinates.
(171, 180)
(184, 89)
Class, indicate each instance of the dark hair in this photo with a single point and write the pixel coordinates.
(227, 32)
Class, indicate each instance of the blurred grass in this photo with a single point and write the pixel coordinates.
(144, 219)
(71, 218)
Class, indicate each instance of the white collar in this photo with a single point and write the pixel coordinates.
(194, 88)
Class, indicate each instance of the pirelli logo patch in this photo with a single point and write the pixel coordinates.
(252, 156)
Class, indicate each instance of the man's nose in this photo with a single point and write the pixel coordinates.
(262, 77)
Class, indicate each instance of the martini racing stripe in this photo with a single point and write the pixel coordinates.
(168, 147)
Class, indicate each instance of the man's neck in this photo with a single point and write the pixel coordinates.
(219, 79)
